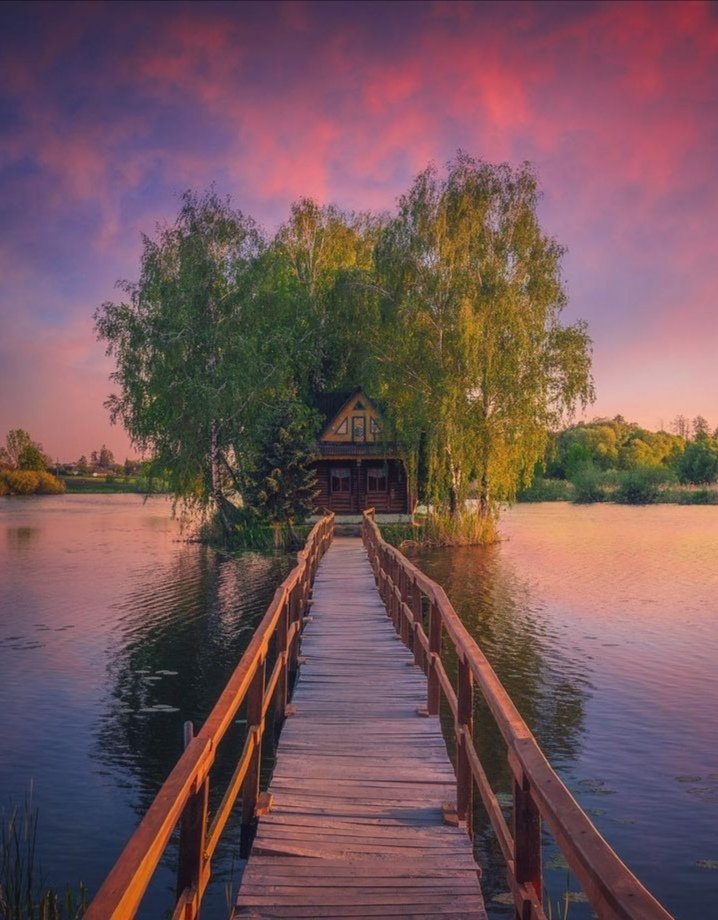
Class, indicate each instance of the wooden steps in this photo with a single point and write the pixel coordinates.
(356, 826)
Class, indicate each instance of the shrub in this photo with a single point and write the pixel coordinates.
(699, 497)
(49, 484)
(641, 486)
(589, 485)
(546, 490)
(22, 482)
(699, 462)
(29, 482)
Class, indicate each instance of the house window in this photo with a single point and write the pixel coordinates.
(343, 427)
(341, 479)
(376, 479)
(374, 425)
(358, 424)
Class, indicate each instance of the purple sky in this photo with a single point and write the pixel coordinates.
(109, 110)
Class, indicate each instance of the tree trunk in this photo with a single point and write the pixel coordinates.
(223, 505)
(454, 485)
(484, 504)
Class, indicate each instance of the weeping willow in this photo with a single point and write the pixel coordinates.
(475, 364)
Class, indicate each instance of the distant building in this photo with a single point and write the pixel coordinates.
(356, 468)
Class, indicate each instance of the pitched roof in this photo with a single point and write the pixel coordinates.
(329, 404)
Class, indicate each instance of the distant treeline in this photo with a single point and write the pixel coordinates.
(612, 459)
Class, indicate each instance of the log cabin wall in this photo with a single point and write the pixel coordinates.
(359, 484)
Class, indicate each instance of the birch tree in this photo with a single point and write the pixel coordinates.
(195, 354)
(475, 362)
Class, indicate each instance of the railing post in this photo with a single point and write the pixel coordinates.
(433, 688)
(282, 650)
(464, 731)
(193, 829)
(404, 625)
(250, 789)
(417, 611)
(526, 833)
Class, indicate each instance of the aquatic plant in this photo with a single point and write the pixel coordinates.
(23, 894)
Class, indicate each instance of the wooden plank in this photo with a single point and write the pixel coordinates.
(356, 826)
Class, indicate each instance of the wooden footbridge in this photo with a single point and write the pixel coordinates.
(365, 815)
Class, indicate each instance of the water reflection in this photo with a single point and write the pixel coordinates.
(178, 638)
(602, 623)
(21, 538)
(549, 686)
(113, 632)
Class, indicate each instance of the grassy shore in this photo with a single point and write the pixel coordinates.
(100, 485)
(561, 490)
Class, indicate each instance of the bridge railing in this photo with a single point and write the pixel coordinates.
(184, 796)
(414, 600)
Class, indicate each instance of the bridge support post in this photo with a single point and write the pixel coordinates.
(282, 650)
(526, 834)
(464, 729)
(417, 611)
(193, 829)
(250, 790)
(433, 688)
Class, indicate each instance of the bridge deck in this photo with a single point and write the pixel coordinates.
(356, 826)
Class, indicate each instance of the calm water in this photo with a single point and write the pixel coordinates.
(602, 622)
(112, 632)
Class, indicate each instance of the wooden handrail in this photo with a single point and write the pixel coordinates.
(538, 792)
(183, 797)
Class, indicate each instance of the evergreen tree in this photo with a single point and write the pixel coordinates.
(282, 488)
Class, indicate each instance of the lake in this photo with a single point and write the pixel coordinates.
(602, 621)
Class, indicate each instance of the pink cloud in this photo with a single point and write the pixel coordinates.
(615, 102)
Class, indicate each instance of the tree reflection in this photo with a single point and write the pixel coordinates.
(180, 635)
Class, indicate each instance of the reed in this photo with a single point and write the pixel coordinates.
(23, 894)
(442, 529)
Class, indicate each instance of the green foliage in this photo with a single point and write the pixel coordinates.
(640, 486)
(699, 462)
(281, 487)
(197, 354)
(318, 274)
(589, 484)
(546, 490)
(611, 444)
(692, 497)
(474, 363)
(21, 452)
(450, 312)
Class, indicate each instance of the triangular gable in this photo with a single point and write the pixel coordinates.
(346, 425)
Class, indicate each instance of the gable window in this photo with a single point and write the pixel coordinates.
(374, 425)
(376, 479)
(343, 427)
(358, 426)
(341, 479)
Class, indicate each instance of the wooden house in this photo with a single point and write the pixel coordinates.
(356, 467)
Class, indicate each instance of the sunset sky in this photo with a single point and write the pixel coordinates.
(108, 111)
